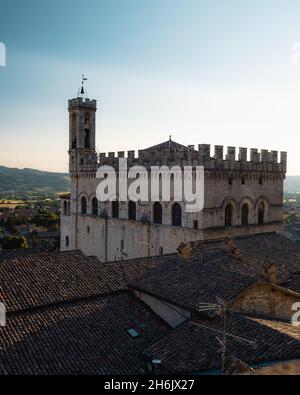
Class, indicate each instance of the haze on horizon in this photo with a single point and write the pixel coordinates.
(217, 72)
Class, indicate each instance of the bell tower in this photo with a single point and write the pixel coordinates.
(82, 133)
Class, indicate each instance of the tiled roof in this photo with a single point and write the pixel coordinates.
(166, 145)
(194, 346)
(40, 279)
(251, 255)
(190, 284)
(80, 338)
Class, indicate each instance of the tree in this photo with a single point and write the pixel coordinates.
(10, 226)
(13, 243)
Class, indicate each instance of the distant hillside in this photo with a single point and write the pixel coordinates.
(292, 184)
(30, 180)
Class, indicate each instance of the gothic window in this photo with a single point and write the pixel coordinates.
(95, 206)
(245, 214)
(228, 215)
(157, 213)
(115, 209)
(83, 205)
(260, 180)
(243, 180)
(176, 215)
(73, 127)
(87, 138)
(132, 210)
(65, 208)
(69, 208)
(74, 121)
(67, 241)
(87, 119)
(195, 224)
(261, 213)
(122, 244)
(230, 181)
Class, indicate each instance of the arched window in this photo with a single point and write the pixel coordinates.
(245, 214)
(243, 180)
(115, 209)
(260, 180)
(261, 213)
(228, 215)
(161, 251)
(83, 205)
(69, 208)
(157, 213)
(230, 180)
(87, 119)
(67, 241)
(74, 121)
(65, 211)
(87, 138)
(95, 206)
(132, 210)
(176, 215)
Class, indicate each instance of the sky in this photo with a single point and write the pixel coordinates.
(223, 72)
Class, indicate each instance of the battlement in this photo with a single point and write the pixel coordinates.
(234, 159)
(80, 102)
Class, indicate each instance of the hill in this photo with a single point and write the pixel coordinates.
(30, 180)
(292, 184)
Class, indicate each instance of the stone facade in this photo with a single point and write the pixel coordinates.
(241, 195)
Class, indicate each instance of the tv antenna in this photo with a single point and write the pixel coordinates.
(220, 308)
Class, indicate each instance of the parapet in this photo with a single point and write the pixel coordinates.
(80, 102)
(262, 160)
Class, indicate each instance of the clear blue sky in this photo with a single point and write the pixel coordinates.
(214, 71)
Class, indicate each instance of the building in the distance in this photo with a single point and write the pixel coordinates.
(243, 195)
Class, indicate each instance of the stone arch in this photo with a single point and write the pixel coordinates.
(176, 211)
(157, 213)
(65, 208)
(83, 205)
(262, 206)
(95, 206)
(234, 212)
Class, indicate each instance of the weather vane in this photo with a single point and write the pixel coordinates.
(82, 90)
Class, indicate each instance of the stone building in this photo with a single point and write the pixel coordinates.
(243, 195)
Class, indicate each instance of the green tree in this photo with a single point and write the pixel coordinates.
(13, 243)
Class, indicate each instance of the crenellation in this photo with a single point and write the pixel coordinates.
(263, 161)
(243, 154)
(230, 153)
(254, 155)
(80, 102)
(274, 156)
(204, 152)
(264, 155)
(219, 152)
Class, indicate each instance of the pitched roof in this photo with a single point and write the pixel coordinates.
(194, 346)
(41, 279)
(87, 337)
(189, 284)
(166, 145)
(251, 255)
